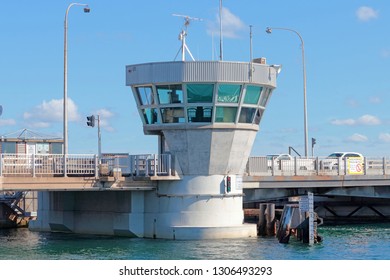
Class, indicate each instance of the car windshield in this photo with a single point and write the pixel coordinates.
(335, 155)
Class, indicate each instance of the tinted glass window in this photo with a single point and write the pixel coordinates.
(150, 115)
(246, 115)
(264, 97)
(145, 95)
(252, 94)
(259, 113)
(170, 94)
(199, 114)
(200, 93)
(173, 115)
(229, 93)
(225, 114)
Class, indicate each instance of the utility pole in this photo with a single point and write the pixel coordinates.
(91, 122)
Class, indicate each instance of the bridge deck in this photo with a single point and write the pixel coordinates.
(141, 172)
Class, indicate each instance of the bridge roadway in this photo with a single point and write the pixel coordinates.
(262, 180)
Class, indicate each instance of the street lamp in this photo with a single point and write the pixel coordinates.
(86, 10)
(269, 31)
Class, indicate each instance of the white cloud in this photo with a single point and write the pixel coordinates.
(363, 120)
(51, 111)
(368, 120)
(366, 13)
(384, 137)
(375, 100)
(357, 138)
(6, 122)
(231, 24)
(39, 124)
(343, 122)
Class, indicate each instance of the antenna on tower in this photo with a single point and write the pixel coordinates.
(183, 35)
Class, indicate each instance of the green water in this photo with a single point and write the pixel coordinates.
(347, 242)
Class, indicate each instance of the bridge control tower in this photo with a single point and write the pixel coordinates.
(206, 115)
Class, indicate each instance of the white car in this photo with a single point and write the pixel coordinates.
(277, 160)
(332, 161)
(286, 162)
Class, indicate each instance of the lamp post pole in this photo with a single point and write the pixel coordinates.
(65, 136)
(269, 31)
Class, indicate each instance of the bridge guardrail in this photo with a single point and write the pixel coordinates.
(162, 165)
(84, 165)
(262, 166)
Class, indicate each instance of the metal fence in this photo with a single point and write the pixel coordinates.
(85, 165)
(48, 164)
(151, 165)
(263, 166)
(162, 165)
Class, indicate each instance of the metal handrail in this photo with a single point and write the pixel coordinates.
(319, 166)
(147, 165)
(84, 165)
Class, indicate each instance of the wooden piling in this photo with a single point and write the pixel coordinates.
(261, 225)
(266, 224)
(270, 219)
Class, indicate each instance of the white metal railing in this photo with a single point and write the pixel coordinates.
(162, 165)
(47, 164)
(151, 165)
(263, 166)
(84, 165)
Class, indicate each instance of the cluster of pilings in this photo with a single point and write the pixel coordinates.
(266, 225)
(293, 222)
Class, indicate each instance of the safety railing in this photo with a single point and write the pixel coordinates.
(151, 165)
(47, 164)
(162, 165)
(263, 166)
(85, 165)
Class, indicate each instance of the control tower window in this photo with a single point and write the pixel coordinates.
(150, 115)
(200, 93)
(225, 114)
(145, 95)
(173, 115)
(264, 98)
(228, 93)
(259, 113)
(246, 115)
(170, 94)
(199, 114)
(252, 94)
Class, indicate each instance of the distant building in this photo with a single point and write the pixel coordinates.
(28, 142)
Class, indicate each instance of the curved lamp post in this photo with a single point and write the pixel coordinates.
(269, 31)
(86, 10)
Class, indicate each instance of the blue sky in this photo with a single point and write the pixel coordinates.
(347, 53)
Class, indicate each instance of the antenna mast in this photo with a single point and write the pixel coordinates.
(183, 35)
